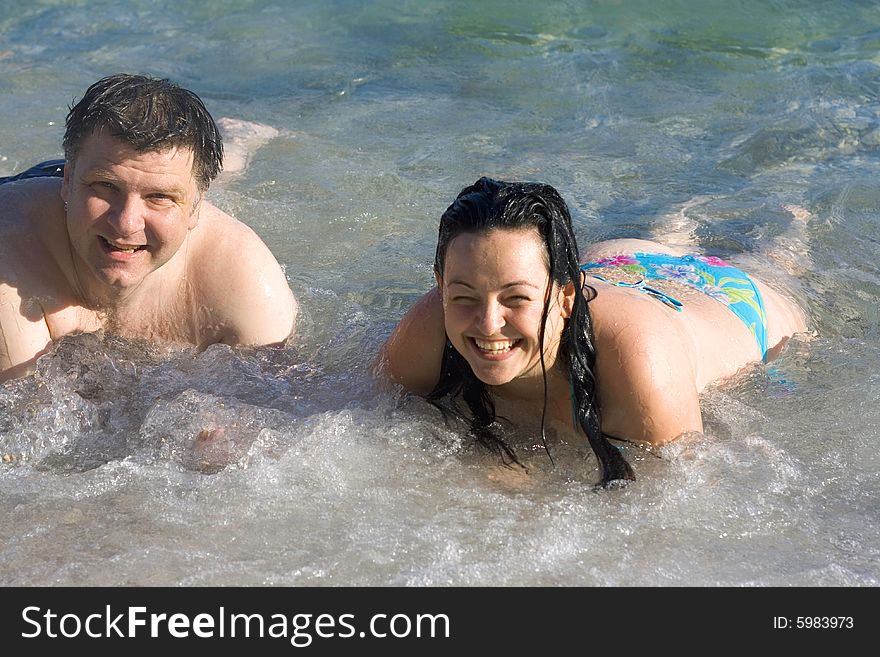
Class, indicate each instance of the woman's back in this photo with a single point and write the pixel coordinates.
(658, 348)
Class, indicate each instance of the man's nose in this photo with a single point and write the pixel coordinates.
(129, 216)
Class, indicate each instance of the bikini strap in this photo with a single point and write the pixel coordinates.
(672, 302)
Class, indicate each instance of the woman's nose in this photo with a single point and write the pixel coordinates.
(491, 318)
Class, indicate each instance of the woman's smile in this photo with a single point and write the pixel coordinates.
(495, 349)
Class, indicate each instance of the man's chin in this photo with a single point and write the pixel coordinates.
(116, 281)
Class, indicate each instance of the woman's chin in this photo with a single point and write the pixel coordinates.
(493, 376)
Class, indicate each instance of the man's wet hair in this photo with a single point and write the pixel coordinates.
(148, 114)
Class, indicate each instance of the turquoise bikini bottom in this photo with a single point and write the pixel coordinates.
(711, 276)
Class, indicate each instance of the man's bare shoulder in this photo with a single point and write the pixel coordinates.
(19, 204)
(239, 278)
(32, 231)
(226, 245)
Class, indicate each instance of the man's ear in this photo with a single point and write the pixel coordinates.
(439, 280)
(196, 212)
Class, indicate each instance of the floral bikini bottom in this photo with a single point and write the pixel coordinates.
(708, 274)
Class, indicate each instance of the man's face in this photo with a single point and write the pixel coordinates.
(128, 213)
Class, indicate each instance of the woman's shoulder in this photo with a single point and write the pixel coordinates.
(633, 328)
(646, 367)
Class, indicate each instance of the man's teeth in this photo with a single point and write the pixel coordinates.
(495, 346)
(124, 249)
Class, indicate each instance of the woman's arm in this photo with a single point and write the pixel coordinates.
(413, 354)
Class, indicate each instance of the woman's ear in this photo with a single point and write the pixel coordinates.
(568, 299)
(568, 294)
(439, 280)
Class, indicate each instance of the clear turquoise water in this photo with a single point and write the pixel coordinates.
(635, 111)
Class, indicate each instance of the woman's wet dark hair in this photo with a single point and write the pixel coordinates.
(147, 114)
(495, 205)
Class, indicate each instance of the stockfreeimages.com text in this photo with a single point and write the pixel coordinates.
(300, 629)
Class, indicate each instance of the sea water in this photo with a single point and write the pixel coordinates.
(133, 464)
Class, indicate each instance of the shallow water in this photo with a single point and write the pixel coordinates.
(713, 113)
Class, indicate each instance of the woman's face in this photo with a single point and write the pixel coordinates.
(494, 286)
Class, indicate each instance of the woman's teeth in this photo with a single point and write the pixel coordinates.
(495, 346)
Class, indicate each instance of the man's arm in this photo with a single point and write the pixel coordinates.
(413, 354)
(22, 340)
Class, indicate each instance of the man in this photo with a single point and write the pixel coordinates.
(125, 241)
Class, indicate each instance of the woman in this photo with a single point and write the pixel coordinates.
(624, 342)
